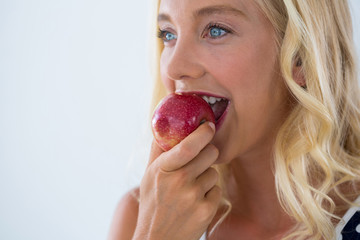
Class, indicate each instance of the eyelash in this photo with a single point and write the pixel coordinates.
(162, 33)
(216, 25)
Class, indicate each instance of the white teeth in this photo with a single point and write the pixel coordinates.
(211, 100)
(206, 98)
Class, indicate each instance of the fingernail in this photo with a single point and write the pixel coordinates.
(212, 125)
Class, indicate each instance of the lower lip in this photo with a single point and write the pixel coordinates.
(221, 120)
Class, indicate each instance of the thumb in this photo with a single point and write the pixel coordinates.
(155, 152)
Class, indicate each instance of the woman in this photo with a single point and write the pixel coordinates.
(286, 148)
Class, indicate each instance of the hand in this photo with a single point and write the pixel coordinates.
(178, 195)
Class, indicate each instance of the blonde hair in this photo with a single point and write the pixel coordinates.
(318, 146)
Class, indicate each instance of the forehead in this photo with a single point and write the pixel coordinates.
(198, 8)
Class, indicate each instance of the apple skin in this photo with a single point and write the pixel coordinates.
(176, 116)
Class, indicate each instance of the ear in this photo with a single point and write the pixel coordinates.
(298, 73)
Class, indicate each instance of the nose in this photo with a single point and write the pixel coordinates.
(182, 61)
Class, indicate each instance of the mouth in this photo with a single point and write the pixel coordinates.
(219, 106)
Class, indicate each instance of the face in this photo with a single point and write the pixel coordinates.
(226, 49)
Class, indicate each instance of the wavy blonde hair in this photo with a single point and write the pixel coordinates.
(318, 147)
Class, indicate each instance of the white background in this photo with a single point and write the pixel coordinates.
(74, 91)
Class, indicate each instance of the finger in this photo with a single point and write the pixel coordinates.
(214, 195)
(188, 148)
(207, 180)
(212, 201)
(202, 161)
(155, 152)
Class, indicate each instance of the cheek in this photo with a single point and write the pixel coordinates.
(168, 83)
(250, 73)
(248, 68)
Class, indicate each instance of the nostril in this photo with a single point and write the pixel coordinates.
(182, 63)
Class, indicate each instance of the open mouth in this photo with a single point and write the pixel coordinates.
(218, 105)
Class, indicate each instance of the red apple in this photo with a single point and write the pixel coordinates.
(178, 115)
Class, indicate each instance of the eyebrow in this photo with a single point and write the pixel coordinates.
(206, 11)
(219, 9)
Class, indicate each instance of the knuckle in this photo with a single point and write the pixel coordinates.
(182, 176)
(214, 174)
(217, 192)
(210, 177)
(212, 150)
(215, 150)
(201, 189)
(158, 180)
(185, 150)
(190, 197)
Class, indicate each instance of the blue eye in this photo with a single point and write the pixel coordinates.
(169, 36)
(166, 36)
(216, 32)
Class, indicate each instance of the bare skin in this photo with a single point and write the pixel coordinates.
(178, 196)
(178, 187)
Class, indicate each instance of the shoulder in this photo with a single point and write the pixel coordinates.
(125, 216)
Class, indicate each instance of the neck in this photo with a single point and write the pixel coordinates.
(252, 191)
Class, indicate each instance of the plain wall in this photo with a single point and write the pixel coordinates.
(74, 99)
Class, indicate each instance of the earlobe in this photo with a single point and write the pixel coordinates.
(298, 73)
